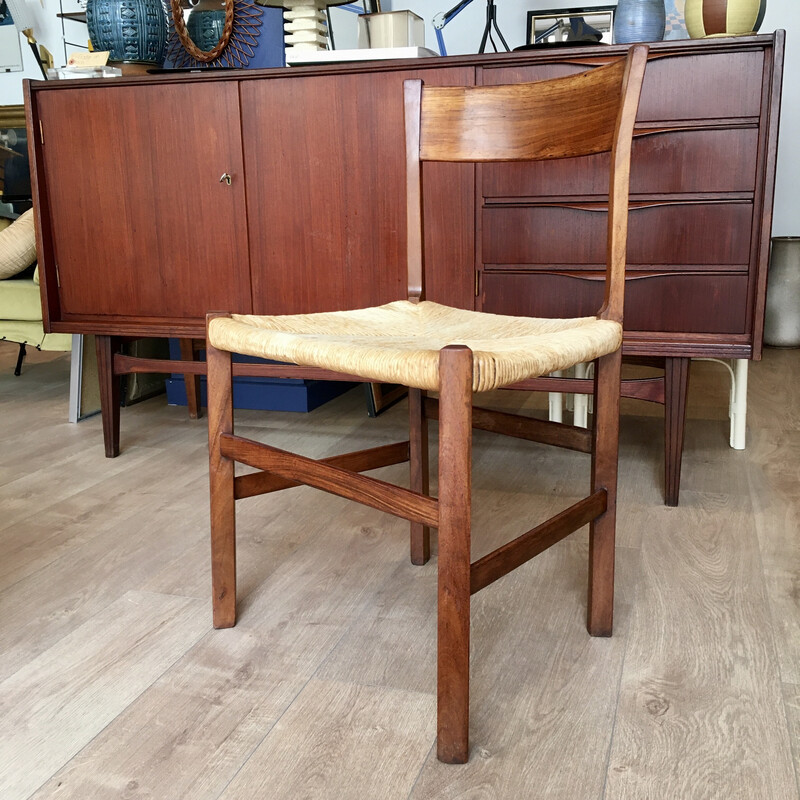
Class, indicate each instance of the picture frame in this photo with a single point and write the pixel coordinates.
(382, 395)
(565, 26)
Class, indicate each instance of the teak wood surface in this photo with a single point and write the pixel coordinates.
(504, 123)
(703, 164)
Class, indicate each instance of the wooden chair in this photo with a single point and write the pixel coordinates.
(454, 352)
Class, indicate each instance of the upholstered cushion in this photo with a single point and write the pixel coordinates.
(19, 300)
(399, 342)
(17, 246)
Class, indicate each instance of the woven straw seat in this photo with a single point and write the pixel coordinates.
(400, 342)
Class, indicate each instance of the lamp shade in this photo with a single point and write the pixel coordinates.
(21, 14)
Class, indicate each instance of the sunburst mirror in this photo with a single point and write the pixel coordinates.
(217, 33)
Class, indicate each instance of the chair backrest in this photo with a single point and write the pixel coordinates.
(579, 115)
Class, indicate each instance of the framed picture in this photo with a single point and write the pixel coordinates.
(571, 26)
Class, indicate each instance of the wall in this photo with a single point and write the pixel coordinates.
(786, 220)
(463, 35)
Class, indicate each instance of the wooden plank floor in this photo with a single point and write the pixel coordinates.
(113, 683)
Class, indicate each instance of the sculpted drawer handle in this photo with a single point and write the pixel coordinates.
(225, 178)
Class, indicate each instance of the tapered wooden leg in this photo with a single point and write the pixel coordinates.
(221, 474)
(455, 489)
(191, 382)
(676, 387)
(106, 346)
(600, 610)
(418, 462)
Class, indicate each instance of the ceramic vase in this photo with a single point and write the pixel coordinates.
(782, 315)
(709, 18)
(639, 21)
(134, 31)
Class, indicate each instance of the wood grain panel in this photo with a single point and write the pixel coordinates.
(689, 303)
(325, 199)
(141, 224)
(705, 725)
(707, 161)
(689, 86)
(83, 670)
(679, 234)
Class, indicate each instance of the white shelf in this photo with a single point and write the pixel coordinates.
(301, 57)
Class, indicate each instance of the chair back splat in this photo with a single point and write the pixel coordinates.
(578, 115)
(454, 352)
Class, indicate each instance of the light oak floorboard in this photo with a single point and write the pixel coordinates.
(326, 686)
(700, 708)
(60, 700)
(381, 735)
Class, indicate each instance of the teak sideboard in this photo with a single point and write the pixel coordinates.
(160, 198)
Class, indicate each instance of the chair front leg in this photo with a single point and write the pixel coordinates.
(418, 463)
(221, 475)
(602, 532)
(455, 495)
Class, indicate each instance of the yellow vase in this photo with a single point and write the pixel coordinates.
(708, 18)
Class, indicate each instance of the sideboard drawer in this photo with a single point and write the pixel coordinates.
(681, 233)
(685, 87)
(689, 303)
(687, 161)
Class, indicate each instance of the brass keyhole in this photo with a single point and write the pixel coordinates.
(226, 178)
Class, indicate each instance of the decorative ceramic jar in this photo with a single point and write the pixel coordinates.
(782, 315)
(639, 21)
(135, 31)
(709, 18)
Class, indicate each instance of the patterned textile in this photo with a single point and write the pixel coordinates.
(400, 342)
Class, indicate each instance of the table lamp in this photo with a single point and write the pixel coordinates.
(442, 19)
(304, 22)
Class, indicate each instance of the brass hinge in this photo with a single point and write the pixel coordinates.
(58, 277)
(477, 283)
(41, 132)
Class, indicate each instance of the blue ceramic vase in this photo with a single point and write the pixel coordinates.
(135, 31)
(639, 21)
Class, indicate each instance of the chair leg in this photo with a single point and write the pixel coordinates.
(221, 474)
(418, 462)
(455, 490)
(20, 358)
(600, 612)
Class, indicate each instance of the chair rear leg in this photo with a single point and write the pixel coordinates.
(221, 474)
(418, 462)
(602, 531)
(455, 489)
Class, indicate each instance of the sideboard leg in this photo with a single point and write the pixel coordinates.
(676, 385)
(191, 382)
(109, 392)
